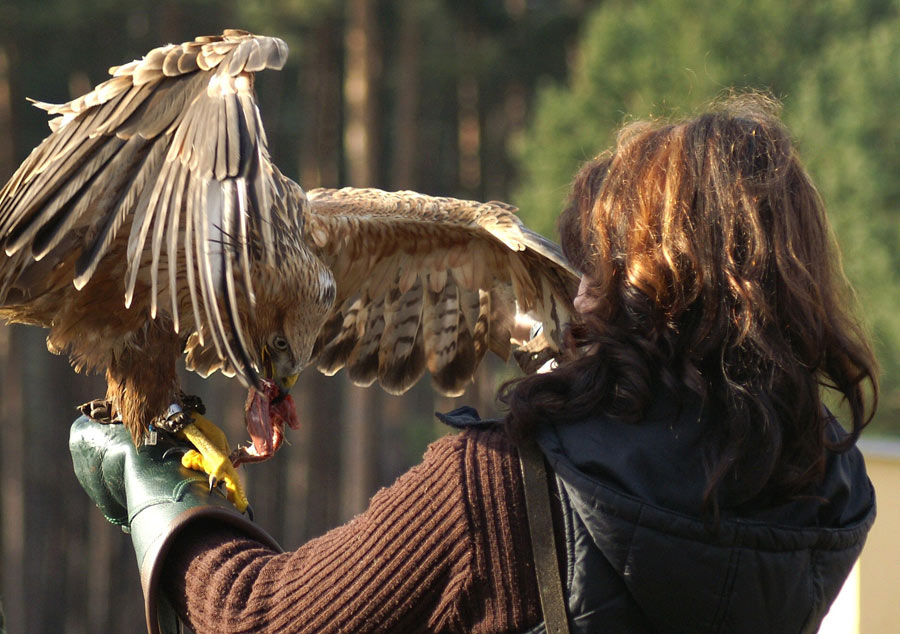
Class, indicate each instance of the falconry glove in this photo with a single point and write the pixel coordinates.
(153, 497)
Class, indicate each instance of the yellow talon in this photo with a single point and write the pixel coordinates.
(212, 457)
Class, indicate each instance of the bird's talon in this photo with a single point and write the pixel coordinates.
(211, 457)
(100, 410)
(177, 449)
(192, 403)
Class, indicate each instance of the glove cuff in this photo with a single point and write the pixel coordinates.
(154, 531)
(164, 498)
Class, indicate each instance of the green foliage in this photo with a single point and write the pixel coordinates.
(832, 63)
(845, 117)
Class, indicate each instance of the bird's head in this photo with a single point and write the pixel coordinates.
(290, 309)
(281, 359)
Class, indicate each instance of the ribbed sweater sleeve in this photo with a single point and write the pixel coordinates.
(444, 549)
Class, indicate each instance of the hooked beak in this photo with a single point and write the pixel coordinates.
(284, 383)
(287, 382)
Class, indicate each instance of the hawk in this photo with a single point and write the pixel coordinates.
(151, 223)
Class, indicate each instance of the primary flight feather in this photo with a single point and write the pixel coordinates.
(152, 223)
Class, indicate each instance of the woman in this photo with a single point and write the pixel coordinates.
(702, 484)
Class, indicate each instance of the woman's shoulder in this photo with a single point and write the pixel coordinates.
(476, 434)
(476, 449)
(475, 457)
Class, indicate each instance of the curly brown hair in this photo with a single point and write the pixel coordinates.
(712, 269)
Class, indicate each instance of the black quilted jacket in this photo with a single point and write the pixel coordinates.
(641, 558)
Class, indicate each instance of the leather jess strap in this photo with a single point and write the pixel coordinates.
(543, 542)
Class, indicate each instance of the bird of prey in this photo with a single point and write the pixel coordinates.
(152, 223)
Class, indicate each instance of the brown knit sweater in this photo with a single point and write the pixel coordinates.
(445, 549)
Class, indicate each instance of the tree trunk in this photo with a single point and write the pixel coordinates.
(361, 95)
(469, 136)
(7, 151)
(320, 151)
(408, 85)
(12, 440)
(12, 483)
(362, 418)
(361, 144)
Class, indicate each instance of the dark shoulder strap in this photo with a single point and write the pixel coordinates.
(543, 538)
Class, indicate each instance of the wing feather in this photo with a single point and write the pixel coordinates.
(21, 217)
(243, 238)
(190, 274)
(66, 209)
(449, 351)
(337, 338)
(120, 197)
(173, 231)
(433, 282)
(128, 174)
(362, 365)
(162, 206)
(401, 356)
(142, 219)
(239, 357)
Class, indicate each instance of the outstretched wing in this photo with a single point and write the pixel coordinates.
(425, 282)
(161, 172)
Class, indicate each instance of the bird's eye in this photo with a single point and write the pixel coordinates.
(279, 343)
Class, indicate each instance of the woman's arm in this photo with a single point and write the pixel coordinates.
(445, 548)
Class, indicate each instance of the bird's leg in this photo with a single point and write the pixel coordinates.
(142, 384)
(211, 453)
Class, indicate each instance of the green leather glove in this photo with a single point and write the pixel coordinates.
(149, 494)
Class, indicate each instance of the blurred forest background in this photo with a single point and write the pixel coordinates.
(484, 99)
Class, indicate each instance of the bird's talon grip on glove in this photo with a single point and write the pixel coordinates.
(213, 457)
